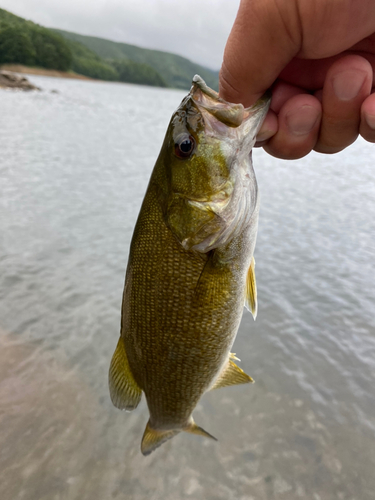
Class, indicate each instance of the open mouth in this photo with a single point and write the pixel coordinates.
(227, 113)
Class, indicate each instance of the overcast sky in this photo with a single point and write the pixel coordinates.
(196, 29)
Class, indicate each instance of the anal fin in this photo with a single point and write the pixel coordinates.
(231, 375)
(125, 392)
(251, 302)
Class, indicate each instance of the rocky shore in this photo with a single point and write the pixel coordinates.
(14, 81)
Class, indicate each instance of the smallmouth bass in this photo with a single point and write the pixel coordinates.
(191, 268)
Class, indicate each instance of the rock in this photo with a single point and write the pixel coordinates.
(12, 80)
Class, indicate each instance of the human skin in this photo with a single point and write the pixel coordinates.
(319, 58)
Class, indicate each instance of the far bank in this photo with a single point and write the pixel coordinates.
(19, 68)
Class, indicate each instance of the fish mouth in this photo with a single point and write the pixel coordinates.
(230, 114)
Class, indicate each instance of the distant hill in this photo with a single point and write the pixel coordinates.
(27, 43)
(88, 63)
(177, 71)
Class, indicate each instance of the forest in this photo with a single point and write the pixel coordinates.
(24, 42)
(27, 43)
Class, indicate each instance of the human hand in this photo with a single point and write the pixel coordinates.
(320, 57)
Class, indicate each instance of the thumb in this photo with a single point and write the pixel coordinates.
(264, 39)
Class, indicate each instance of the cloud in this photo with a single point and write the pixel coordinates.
(196, 29)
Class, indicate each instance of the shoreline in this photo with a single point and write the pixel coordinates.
(20, 68)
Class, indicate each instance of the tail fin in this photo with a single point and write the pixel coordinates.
(152, 438)
(193, 428)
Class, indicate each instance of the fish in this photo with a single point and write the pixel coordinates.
(191, 268)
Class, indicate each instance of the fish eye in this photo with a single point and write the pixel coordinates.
(184, 146)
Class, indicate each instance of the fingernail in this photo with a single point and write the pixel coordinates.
(264, 135)
(370, 120)
(347, 84)
(302, 120)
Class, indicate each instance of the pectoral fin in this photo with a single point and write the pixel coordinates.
(125, 392)
(231, 375)
(251, 302)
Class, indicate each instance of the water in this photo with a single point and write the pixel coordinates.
(74, 168)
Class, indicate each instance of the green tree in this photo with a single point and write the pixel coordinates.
(52, 51)
(16, 46)
(94, 69)
(132, 72)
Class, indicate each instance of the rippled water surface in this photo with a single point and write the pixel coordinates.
(74, 167)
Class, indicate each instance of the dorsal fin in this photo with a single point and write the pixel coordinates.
(251, 302)
(124, 390)
(231, 375)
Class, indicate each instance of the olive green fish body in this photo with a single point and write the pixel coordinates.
(180, 317)
(189, 266)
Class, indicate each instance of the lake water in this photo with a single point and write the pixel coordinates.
(74, 168)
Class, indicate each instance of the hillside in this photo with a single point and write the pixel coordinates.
(177, 71)
(27, 43)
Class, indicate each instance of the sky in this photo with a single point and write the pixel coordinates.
(196, 29)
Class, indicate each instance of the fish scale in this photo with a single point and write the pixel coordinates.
(190, 267)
